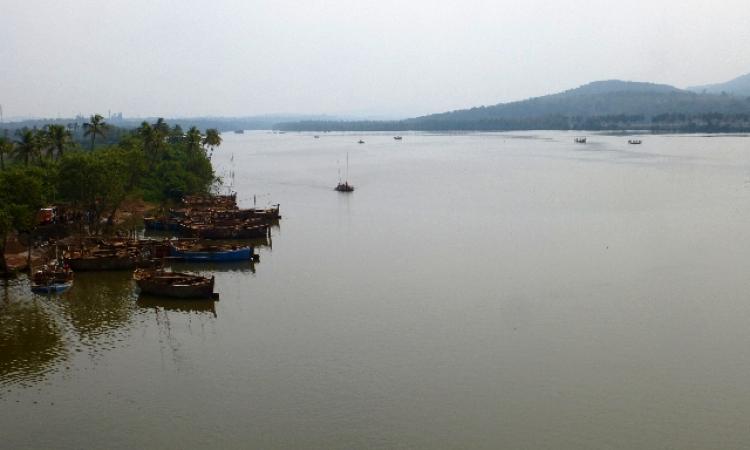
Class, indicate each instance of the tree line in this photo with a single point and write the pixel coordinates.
(155, 162)
(669, 122)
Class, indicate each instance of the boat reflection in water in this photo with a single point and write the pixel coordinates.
(176, 305)
(32, 343)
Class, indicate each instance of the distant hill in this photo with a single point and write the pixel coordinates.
(600, 105)
(739, 86)
(603, 98)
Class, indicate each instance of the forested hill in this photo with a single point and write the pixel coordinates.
(610, 104)
(739, 86)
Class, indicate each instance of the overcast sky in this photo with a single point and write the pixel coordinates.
(377, 57)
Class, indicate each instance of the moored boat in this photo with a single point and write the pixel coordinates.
(174, 284)
(580, 140)
(51, 280)
(202, 252)
(634, 141)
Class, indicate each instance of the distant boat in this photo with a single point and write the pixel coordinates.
(316, 136)
(174, 284)
(398, 138)
(634, 141)
(345, 186)
(239, 131)
(360, 141)
(580, 140)
(51, 280)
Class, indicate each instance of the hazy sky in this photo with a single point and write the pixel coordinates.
(385, 57)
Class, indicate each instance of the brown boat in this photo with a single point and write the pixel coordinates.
(111, 256)
(173, 284)
(229, 231)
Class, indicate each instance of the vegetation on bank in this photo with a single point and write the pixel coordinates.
(92, 176)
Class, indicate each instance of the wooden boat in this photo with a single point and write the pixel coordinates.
(51, 280)
(202, 252)
(580, 140)
(174, 284)
(210, 201)
(345, 186)
(634, 141)
(229, 231)
(108, 259)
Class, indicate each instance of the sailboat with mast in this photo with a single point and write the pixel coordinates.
(345, 186)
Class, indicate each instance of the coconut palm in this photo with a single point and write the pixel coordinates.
(58, 139)
(149, 137)
(27, 147)
(193, 139)
(212, 139)
(161, 127)
(6, 148)
(95, 127)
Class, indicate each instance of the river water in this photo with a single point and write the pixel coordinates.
(476, 291)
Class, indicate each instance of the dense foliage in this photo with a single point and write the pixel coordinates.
(155, 162)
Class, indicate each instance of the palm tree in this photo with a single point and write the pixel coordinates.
(58, 138)
(95, 126)
(149, 137)
(6, 148)
(212, 139)
(27, 146)
(162, 127)
(193, 139)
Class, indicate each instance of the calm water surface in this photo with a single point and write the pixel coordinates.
(475, 291)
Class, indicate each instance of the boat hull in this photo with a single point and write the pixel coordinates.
(240, 254)
(174, 285)
(48, 289)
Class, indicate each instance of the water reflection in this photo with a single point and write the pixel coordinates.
(100, 303)
(206, 268)
(167, 304)
(31, 340)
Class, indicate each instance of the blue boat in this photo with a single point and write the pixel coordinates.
(54, 288)
(51, 280)
(211, 253)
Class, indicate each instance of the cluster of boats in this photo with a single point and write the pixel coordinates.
(146, 257)
(215, 217)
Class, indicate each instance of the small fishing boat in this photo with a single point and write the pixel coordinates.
(580, 140)
(360, 141)
(316, 136)
(239, 131)
(344, 186)
(174, 284)
(51, 280)
(203, 252)
(634, 141)
(398, 138)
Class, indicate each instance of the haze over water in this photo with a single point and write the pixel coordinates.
(475, 291)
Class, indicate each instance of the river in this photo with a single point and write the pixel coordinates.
(484, 291)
